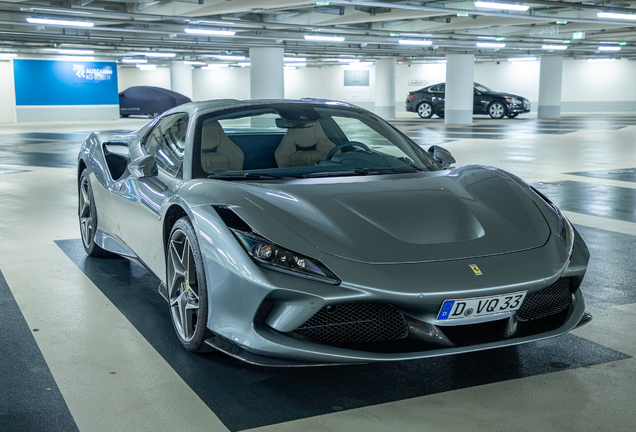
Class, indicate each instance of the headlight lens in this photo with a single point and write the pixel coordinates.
(514, 101)
(269, 255)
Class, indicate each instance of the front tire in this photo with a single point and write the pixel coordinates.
(497, 110)
(88, 217)
(187, 288)
(425, 110)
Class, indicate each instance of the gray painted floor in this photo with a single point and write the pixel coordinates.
(85, 345)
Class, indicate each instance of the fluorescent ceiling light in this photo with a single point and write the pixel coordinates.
(133, 60)
(415, 42)
(364, 63)
(348, 60)
(501, 6)
(79, 58)
(8, 55)
(324, 38)
(216, 66)
(554, 47)
(442, 61)
(294, 59)
(65, 23)
(209, 32)
(146, 67)
(601, 60)
(159, 54)
(616, 15)
(486, 37)
(609, 48)
(490, 45)
(522, 59)
(75, 51)
(228, 57)
(296, 64)
(244, 64)
(190, 62)
(415, 34)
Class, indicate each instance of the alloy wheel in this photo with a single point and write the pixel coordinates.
(183, 291)
(86, 220)
(425, 110)
(496, 110)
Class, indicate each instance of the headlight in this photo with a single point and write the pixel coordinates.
(271, 256)
(514, 101)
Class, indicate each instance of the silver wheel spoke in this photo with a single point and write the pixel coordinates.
(184, 300)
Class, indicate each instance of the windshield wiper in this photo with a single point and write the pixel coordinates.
(362, 172)
(244, 176)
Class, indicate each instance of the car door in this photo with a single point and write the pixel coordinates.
(139, 201)
(437, 97)
(479, 102)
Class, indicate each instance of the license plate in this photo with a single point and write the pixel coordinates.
(480, 306)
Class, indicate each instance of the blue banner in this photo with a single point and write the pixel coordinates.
(51, 82)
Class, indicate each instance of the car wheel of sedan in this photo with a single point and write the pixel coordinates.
(497, 110)
(88, 217)
(425, 110)
(187, 289)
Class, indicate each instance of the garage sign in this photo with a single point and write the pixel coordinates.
(89, 73)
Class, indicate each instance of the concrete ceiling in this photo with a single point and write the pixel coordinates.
(371, 29)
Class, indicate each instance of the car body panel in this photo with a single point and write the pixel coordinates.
(406, 240)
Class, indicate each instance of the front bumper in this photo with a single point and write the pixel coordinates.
(522, 108)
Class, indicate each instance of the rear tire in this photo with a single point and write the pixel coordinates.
(425, 110)
(88, 217)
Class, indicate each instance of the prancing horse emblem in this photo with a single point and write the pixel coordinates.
(475, 269)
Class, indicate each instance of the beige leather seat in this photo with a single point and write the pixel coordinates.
(303, 147)
(217, 151)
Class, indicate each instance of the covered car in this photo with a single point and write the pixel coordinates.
(148, 100)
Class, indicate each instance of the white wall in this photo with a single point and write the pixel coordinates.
(223, 83)
(130, 77)
(521, 78)
(7, 92)
(409, 78)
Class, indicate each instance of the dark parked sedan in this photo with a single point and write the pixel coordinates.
(148, 100)
(430, 100)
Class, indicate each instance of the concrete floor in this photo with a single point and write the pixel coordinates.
(84, 346)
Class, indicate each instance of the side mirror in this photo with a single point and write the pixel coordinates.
(441, 155)
(145, 166)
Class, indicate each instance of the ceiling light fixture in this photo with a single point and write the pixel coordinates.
(317, 38)
(601, 60)
(296, 64)
(216, 66)
(31, 9)
(146, 67)
(133, 60)
(192, 62)
(75, 51)
(8, 55)
(616, 15)
(501, 6)
(64, 23)
(522, 59)
(415, 42)
(490, 45)
(294, 59)
(609, 48)
(554, 47)
(348, 60)
(244, 64)
(209, 32)
(159, 54)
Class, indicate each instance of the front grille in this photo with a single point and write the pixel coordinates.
(546, 302)
(355, 322)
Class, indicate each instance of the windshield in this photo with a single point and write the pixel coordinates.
(296, 140)
(483, 88)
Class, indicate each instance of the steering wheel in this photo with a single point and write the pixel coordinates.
(339, 147)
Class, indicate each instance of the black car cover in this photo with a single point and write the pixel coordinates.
(146, 100)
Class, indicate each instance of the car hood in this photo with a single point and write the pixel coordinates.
(504, 95)
(466, 212)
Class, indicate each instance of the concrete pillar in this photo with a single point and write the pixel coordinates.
(385, 88)
(550, 80)
(266, 73)
(458, 106)
(181, 78)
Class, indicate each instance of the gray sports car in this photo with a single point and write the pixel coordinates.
(313, 232)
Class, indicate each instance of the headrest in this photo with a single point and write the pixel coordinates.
(307, 137)
(212, 135)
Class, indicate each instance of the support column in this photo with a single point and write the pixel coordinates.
(181, 78)
(266, 73)
(385, 88)
(458, 106)
(550, 80)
